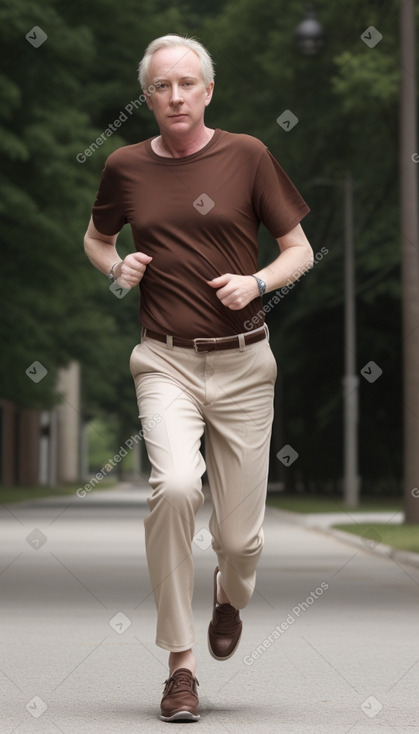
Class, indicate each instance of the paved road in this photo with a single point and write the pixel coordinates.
(330, 642)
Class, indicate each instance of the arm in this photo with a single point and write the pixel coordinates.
(296, 256)
(101, 251)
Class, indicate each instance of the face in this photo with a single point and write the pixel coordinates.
(180, 98)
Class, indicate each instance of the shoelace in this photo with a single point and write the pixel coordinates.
(181, 678)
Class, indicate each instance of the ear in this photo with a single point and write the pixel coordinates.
(208, 93)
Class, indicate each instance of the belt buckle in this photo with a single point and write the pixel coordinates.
(200, 340)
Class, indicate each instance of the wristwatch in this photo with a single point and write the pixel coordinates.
(110, 274)
(261, 285)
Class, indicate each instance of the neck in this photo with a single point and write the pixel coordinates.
(179, 146)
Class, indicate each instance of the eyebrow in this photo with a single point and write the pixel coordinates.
(186, 76)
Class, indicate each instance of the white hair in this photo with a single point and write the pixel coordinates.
(170, 41)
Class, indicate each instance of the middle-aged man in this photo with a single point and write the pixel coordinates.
(195, 197)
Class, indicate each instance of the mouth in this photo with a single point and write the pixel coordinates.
(179, 115)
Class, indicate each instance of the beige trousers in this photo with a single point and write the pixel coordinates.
(228, 396)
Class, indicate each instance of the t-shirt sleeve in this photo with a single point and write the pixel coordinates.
(277, 202)
(108, 211)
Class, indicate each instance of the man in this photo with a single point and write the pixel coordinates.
(194, 198)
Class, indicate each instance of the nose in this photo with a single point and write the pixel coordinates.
(175, 97)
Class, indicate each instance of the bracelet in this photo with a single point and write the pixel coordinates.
(110, 274)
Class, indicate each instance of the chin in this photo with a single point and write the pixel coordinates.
(181, 124)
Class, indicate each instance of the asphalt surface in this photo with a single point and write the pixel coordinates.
(330, 642)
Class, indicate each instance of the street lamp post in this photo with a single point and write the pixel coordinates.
(410, 268)
(351, 379)
(309, 37)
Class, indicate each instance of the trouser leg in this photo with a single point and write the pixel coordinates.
(237, 442)
(176, 470)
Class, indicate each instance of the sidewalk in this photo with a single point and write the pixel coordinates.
(324, 522)
(330, 642)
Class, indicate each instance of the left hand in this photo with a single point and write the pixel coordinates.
(235, 291)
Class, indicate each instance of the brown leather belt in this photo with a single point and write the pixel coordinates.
(210, 344)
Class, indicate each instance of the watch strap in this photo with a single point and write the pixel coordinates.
(111, 274)
(261, 284)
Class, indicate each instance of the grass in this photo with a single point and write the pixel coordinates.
(402, 537)
(324, 504)
(20, 494)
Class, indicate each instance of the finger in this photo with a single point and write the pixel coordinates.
(219, 281)
(223, 294)
(233, 300)
(233, 305)
(142, 257)
(229, 300)
(131, 273)
(133, 267)
(123, 283)
(130, 280)
(227, 292)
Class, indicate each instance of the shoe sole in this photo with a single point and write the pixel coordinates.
(226, 657)
(181, 716)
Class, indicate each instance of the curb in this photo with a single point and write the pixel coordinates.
(366, 544)
(370, 546)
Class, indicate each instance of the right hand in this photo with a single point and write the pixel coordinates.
(129, 272)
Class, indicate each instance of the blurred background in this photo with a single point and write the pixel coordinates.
(68, 79)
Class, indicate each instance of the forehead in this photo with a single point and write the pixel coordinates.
(174, 63)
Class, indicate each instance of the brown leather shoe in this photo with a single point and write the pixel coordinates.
(225, 628)
(180, 699)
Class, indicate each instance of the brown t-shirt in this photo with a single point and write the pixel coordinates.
(198, 217)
